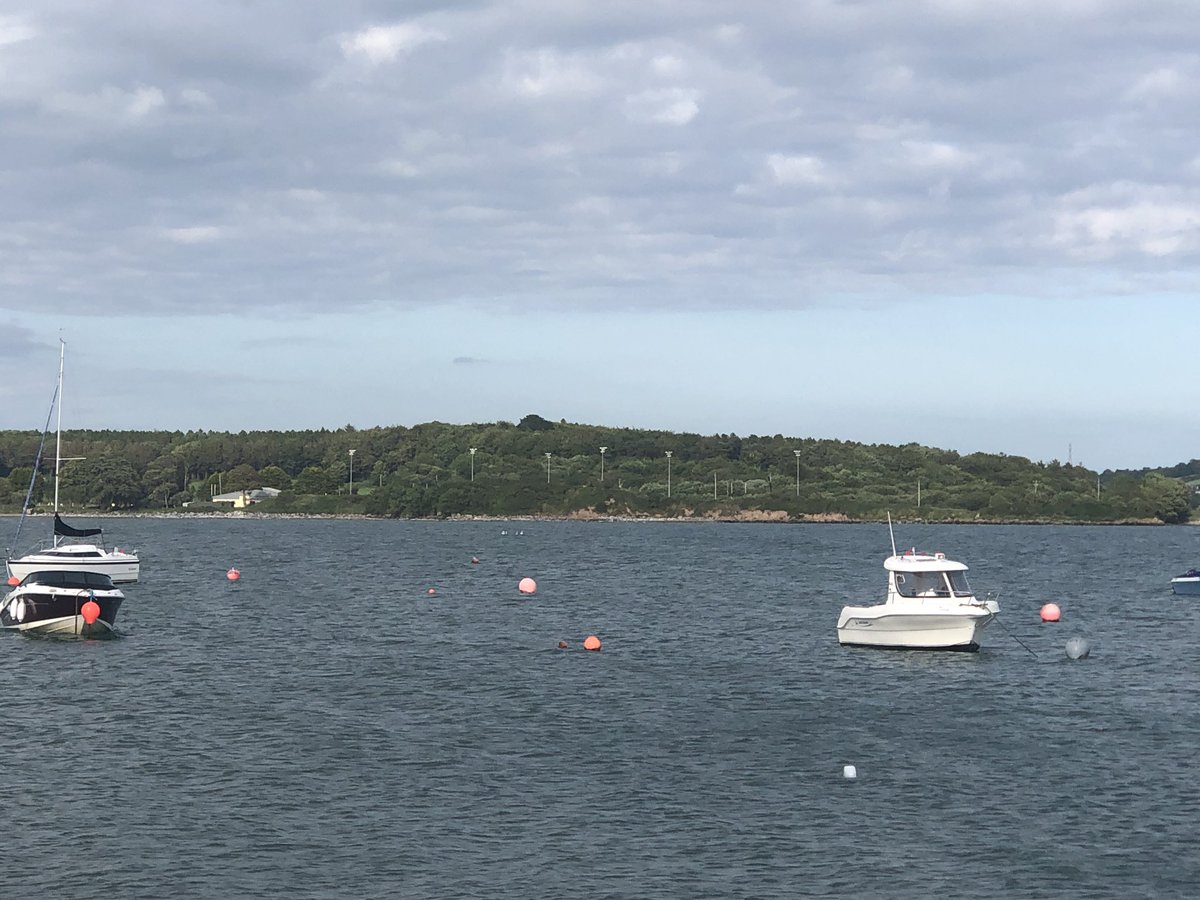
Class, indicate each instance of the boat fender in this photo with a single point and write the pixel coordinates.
(20, 611)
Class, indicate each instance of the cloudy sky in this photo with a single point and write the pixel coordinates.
(969, 224)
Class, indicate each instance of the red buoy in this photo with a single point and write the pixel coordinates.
(13, 580)
(1051, 612)
(90, 612)
(233, 574)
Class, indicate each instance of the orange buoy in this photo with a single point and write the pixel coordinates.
(1051, 612)
(527, 586)
(13, 580)
(591, 642)
(233, 574)
(90, 612)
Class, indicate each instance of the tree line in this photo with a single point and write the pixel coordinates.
(540, 467)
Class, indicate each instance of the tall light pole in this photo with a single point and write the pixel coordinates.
(351, 473)
(669, 453)
(473, 449)
(797, 452)
(547, 468)
(602, 449)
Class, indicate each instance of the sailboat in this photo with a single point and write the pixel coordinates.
(70, 549)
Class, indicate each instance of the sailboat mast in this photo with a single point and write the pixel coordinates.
(62, 352)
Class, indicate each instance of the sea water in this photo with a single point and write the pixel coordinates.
(327, 727)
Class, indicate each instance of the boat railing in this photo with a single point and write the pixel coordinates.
(44, 545)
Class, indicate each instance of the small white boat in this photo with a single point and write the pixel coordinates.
(1187, 584)
(120, 566)
(929, 606)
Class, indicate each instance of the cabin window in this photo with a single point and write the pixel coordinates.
(958, 583)
(921, 584)
(80, 580)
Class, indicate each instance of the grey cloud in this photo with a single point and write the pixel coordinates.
(709, 154)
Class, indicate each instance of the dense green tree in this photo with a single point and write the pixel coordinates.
(1166, 499)
(105, 482)
(163, 474)
(315, 480)
(532, 422)
(275, 477)
(242, 477)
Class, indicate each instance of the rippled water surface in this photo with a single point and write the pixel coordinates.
(326, 727)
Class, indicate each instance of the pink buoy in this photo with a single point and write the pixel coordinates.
(1051, 612)
(233, 574)
(432, 591)
(475, 560)
(591, 642)
(527, 586)
(90, 612)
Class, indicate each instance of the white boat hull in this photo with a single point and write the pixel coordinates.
(64, 626)
(122, 568)
(881, 626)
(1186, 586)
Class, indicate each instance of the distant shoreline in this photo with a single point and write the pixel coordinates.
(747, 519)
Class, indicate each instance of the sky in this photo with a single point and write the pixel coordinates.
(966, 224)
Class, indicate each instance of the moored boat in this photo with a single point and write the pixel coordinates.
(66, 551)
(62, 603)
(122, 567)
(1187, 584)
(929, 606)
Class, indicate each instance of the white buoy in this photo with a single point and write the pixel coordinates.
(1078, 648)
(849, 772)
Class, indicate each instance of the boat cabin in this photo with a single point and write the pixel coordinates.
(72, 551)
(914, 574)
(85, 581)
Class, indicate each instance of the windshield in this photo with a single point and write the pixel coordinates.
(958, 581)
(932, 584)
(921, 584)
(82, 580)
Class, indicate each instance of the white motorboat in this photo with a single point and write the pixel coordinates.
(82, 604)
(66, 552)
(929, 606)
(1187, 584)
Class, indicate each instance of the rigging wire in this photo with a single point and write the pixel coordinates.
(37, 464)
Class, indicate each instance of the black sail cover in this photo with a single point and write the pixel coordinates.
(62, 529)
